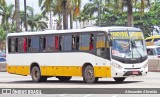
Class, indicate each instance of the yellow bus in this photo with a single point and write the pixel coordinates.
(153, 40)
(91, 53)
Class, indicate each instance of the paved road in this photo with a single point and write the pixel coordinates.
(17, 81)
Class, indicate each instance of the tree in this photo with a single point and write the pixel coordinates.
(35, 22)
(17, 15)
(74, 10)
(7, 17)
(2, 34)
(62, 8)
(130, 5)
(2, 2)
(47, 7)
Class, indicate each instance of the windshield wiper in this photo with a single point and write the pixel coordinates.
(139, 52)
(134, 46)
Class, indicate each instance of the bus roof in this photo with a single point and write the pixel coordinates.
(154, 36)
(89, 29)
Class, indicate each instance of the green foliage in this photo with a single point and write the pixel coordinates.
(113, 16)
(2, 34)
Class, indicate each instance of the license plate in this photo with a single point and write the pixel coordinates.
(135, 72)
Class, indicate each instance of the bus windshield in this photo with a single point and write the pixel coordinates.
(128, 47)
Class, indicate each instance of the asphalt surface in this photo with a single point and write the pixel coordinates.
(151, 81)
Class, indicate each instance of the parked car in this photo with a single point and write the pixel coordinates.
(2, 54)
(153, 58)
(2, 64)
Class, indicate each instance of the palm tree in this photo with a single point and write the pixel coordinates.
(47, 7)
(62, 8)
(130, 5)
(17, 15)
(7, 17)
(2, 2)
(74, 10)
(35, 22)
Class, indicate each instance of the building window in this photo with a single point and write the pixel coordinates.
(66, 43)
(50, 43)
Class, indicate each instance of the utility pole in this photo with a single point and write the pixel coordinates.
(25, 16)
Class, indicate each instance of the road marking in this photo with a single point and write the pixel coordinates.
(62, 95)
(88, 95)
(114, 95)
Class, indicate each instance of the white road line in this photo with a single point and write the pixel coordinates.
(62, 95)
(88, 95)
(114, 95)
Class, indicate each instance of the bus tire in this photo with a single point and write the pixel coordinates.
(64, 78)
(44, 79)
(119, 79)
(36, 74)
(88, 75)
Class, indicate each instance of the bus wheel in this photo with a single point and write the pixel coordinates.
(119, 79)
(88, 75)
(36, 74)
(64, 78)
(44, 79)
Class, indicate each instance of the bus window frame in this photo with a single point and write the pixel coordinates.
(61, 34)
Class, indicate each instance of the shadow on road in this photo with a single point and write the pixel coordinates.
(72, 82)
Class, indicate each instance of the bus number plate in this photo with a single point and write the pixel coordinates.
(135, 72)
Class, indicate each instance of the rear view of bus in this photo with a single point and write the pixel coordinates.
(128, 53)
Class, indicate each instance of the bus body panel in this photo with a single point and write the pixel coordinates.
(70, 63)
(58, 64)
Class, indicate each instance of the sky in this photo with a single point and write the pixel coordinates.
(34, 4)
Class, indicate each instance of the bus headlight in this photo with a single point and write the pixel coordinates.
(145, 65)
(116, 65)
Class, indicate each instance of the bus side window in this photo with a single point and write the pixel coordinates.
(20, 44)
(12, 45)
(9, 45)
(66, 43)
(73, 42)
(41, 43)
(100, 46)
(77, 42)
(16, 45)
(50, 43)
(25, 44)
(84, 42)
(44, 44)
(35, 44)
(91, 47)
(60, 43)
(29, 44)
(56, 43)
